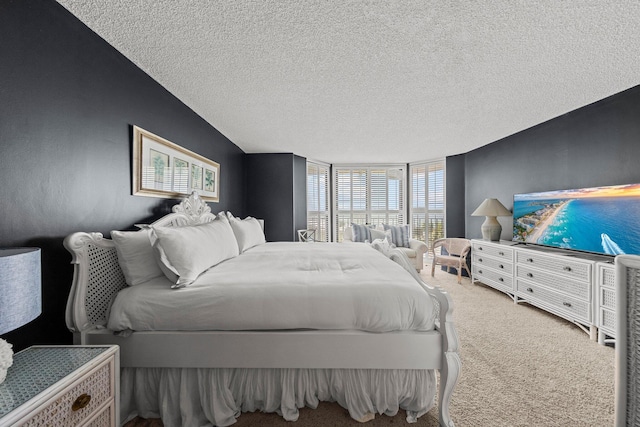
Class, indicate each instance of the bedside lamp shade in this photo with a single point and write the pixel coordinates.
(20, 278)
(491, 208)
(20, 299)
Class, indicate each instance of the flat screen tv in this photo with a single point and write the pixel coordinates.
(603, 220)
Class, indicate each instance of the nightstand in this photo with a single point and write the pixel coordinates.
(62, 386)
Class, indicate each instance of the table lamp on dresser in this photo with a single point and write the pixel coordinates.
(491, 208)
(20, 295)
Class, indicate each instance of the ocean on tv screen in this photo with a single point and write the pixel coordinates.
(605, 222)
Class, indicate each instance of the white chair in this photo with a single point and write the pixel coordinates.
(415, 252)
(627, 391)
(456, 255)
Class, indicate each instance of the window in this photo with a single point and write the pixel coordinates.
(368, 195)
(318, 200)
(427, 201)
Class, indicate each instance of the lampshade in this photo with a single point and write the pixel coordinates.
(491, 207)
(20, 293)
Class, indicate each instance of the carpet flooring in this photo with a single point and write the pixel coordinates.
(521, 366)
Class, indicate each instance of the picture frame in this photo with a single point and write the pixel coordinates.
(164, 169)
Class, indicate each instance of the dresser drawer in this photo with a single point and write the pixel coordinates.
(578, 308)
(106, 418)
(556, 265)
(496, 277)
(502, 252)
(607, 277)
(73, 407)
(574, 288)
(608, 298)
(501, 265)
(608, 321)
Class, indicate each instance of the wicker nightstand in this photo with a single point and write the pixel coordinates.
(62, 386)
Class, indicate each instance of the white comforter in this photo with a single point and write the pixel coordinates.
(283, 285)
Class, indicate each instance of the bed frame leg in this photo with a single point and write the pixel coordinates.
(448, 378)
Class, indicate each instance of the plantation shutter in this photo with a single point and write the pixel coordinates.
(368, 195)
(427, 201)
(318, 217)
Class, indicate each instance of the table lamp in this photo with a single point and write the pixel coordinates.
(20, 295)
(491, 208)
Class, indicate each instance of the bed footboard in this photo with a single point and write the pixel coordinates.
(451, 365)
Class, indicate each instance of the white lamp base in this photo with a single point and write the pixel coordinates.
(491, 229)
(6, 359)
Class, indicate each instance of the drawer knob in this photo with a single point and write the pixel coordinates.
(500, 279)
(529, 274)
(566, 304)
(479, 259)
(479, 271)
(501, 253)
(480, 248)
(529, 259)
(529, 290)
(567, 268)
(501, 266)
(81, 402)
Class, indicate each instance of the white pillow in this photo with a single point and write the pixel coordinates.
(248, 232)
(189, 251)
(135, 256)
(382, 234)
(399, 234)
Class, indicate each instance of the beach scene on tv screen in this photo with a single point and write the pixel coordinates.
(598, 219)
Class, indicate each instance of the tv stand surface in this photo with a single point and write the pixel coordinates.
(563, 282)
(567, 252)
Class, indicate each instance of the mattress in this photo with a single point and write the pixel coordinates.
(283, 286)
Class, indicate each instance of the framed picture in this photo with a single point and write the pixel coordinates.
(164, 169)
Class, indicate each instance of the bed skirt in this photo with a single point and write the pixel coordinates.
(217, 396)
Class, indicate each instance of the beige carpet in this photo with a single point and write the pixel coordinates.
(520, 367)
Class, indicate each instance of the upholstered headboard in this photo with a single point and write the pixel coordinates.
(97, 276)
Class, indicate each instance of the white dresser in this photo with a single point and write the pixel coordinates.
(574, 286)
(62, 386)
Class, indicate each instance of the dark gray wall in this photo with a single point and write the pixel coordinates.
(275, 187)
(455, 203)
(596, 145)
(68, 101)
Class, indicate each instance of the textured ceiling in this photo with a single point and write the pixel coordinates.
(375, 81)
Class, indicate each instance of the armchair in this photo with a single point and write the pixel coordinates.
(456, 255)
(415, 252)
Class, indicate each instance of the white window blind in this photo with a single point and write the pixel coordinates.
(427, 200)
(318, 200)
(368, 195)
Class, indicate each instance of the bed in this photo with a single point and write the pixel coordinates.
(341, 322)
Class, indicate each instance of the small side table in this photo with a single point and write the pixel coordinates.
(62, 386)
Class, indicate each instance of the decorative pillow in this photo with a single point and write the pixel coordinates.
(248, 232)
(189, 251)
(399, 234)
(382, 234)
(360, 233)
(135, 256)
